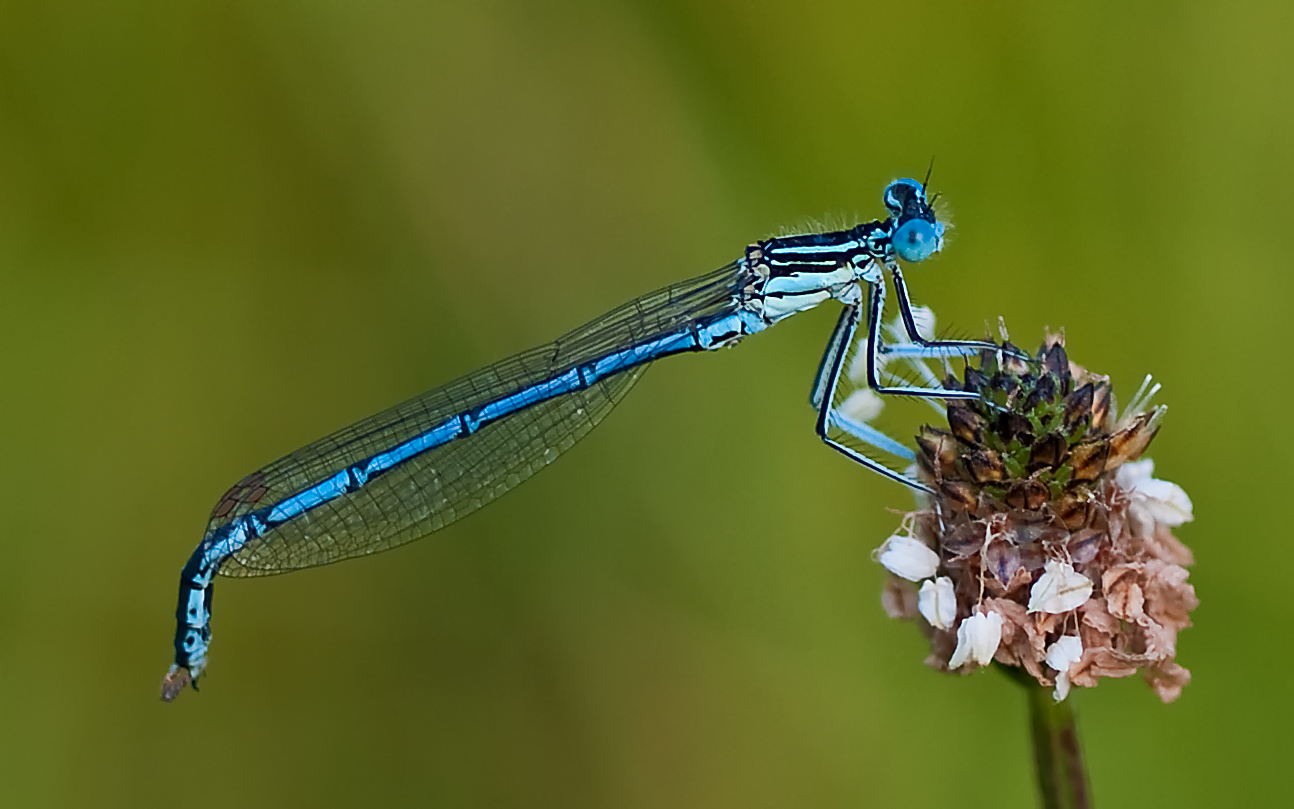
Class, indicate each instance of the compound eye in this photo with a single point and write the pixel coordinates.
(916, 240)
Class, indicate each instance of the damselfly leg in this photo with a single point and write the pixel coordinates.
(825, 385)
(910, 323)
(823, 397)
(920, 348)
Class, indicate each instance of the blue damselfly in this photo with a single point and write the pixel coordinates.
(413, 469)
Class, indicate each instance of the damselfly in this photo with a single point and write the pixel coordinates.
(423, 464)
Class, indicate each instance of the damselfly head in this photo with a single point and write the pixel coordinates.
(918, 234)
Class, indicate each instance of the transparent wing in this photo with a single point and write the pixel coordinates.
(443, 484)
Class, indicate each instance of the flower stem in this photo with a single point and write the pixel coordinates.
(1057, 753)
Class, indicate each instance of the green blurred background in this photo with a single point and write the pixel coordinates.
(227, 228)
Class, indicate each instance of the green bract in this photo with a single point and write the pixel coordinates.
(1041, 435)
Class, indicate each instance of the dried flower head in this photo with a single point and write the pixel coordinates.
(1047, 544)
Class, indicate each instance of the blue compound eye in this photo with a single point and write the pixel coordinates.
(916, 240)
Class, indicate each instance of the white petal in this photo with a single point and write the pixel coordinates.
(1059, 589)
(977, 639)
(1140, 518)
(986, 637)
(1160, 500)
(1167, 502)
(1067, 650)
(937, 602)
(907, 557)
(1062, 687)
(862, 405)
(1130, 474)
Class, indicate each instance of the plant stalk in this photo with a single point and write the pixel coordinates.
(1057, 753)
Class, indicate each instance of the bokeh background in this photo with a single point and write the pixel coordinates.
(227, 228)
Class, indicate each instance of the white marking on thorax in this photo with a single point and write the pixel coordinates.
(785, 295)
(797, 282)
(777, 308)
(787, 253)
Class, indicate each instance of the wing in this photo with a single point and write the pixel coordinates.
(433, 488)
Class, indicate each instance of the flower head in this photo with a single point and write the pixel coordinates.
(1049, 535)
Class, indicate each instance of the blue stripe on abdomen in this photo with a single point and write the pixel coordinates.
(356, 476)
(316, 495)
(449, 429)
(522, 399)
(637, 355)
